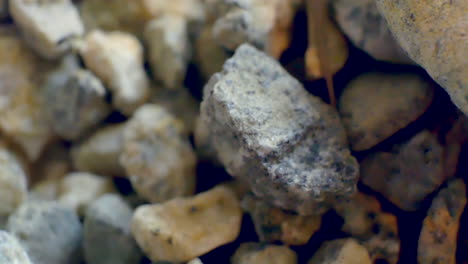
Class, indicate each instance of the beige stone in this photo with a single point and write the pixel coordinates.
(259, 253)
(184, 228)
(209, 55)
(341, 251)
(13, 181)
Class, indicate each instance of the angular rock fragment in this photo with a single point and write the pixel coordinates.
(273, 224)
(117, 59)
(107, 237)
(288, 145)
(259, 253)
(11, 252)
(157, 156)
(367, 29)
(407, 173)
(376, 105)
(438, 238)
(47, 26)
(184, 228)
(341, 251)
(49, 232)
(438, 45)
(101, 151)
(78, 190)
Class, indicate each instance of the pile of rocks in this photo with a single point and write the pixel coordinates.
(107, 155)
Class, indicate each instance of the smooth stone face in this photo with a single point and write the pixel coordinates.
(374, 106)
(49, 232)
(38, 21)
(157, 156)
(439, 46)
(11, 252)
(367, 29)
(259, 253)
(288, 145)
(184, 228)
(13, 182)
(107, 237)
(438, 238)
(409, 172)
(341, 251)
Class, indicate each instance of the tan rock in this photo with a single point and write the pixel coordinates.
(184, 228)
(259, 253)
(341, 251)
(438, 238)
(438, 45)
(54, 163)
(374, 106)
(46, 190)
(117, 59)
(157, 156)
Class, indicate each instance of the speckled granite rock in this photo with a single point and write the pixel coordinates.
(117, 59)
(341, 251)
(438, 238)
(367, 29)
(184, 228)
(376, 105)
(407, 173)
(157, 156)
(11, 252)
(101, 151)
(47, 26)
(49, 232)
(259, 253)
(439, 46)
(264, 124)
(107, 237)
(273, 224)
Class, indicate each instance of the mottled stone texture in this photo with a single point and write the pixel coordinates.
(260, 253)
(288, 145)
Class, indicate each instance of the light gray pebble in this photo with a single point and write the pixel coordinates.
(11, 251)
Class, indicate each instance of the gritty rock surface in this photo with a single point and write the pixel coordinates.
(367, 29)
(184, 228)
(376, 105)
(438, 46)
(341, 251)
(78, 190)
(289, 146)
(273, 224)
(259, 253)
(117, 59)
(11, 252)
(407, 173)
(49, 232)
(101, 151)
(438, 238)
(38, 21)
(157, 156)
(107, 237)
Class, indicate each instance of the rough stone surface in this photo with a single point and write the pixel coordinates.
(438, 46)
(367, 29)
(107, 237)
(341, 251)
(376, 105)
(407, 173)
(11, 252)
(288, 145)
(169, 49)
(157, 156)
(78, 190)
(259, 253)
(184, 228)
(38, 21)
(101, 151)
(273, 224)
(117, 59)
(438, 238)
(49, 232)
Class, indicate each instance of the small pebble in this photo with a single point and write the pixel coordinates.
(341, 251)
(184, 228)
(11, 252)
(259, 253)
(107, 237)
(49, 232)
